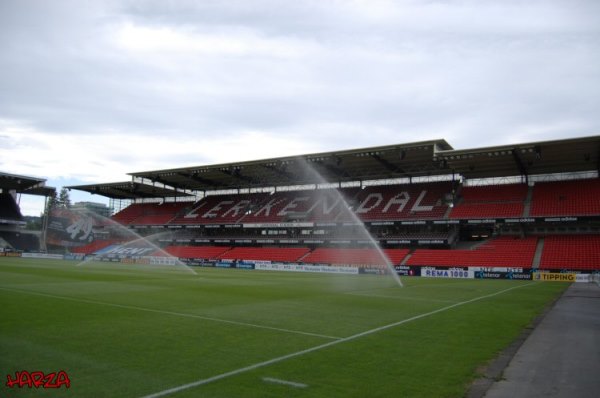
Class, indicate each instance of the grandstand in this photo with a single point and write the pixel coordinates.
(13, 236)
(531, 206)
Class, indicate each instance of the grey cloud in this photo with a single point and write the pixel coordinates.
(429, 68)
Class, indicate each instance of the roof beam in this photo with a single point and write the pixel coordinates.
(391, 167)
(130, 193)
(237, 174)
(158, 179)
(334, 169)
(520, 164)
(195, 177)
(280, 171)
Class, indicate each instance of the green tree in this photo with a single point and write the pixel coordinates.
(51, 203)
(64, 201)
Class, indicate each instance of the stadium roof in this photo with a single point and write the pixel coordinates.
(420, 159)
(392, 161)
(547, 157)
(130, 190)
(25, 185)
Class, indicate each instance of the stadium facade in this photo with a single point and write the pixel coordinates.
(496, 212)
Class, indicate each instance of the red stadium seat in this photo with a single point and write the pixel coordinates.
(283, 254)
(499, 252)
(577, 252)
(566, 198)
(491, 201)
(204, 252)
(355, 256)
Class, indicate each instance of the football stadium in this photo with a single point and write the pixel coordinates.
(406, 270)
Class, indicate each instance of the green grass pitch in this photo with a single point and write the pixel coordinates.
(136, 331)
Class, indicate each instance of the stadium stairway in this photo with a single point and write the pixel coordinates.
(455, 202)
(4, 244)
(537, 258)
(301, 259)
(449, 210)
(405, 259)
(527, 204)
(469, 245)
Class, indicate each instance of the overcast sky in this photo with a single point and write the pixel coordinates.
(92, 90)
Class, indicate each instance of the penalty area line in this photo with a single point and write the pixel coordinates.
(258, 365)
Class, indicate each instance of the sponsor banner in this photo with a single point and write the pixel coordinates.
(74, 256)
(191, 261)
(583, 278)
(496, 269)
(526, 220)
(110, 259)
(429, 272)
(307, 268)
(200, 262)
(263, 241)
(432, 242)
(326, 224)
(371, 271)
(446, 222)
(11, 254)
(197, 262)
(261, 262)
(134, 260)
(131, 261)
(224, 264)
(404, 270)
(560, 219)
(483, 221)
(43, 255)
(554, 277)
(502, 275)
(245, 265)
(417, 242)
(279, 225)
(160, 260)
(14, 222)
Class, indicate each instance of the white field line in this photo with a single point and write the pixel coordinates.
(284, 382)
(180, 314)
(258, 365)
(400, 298)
